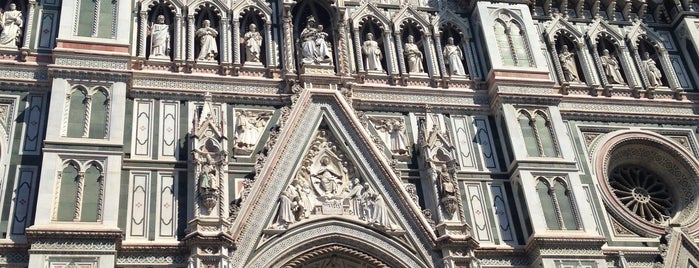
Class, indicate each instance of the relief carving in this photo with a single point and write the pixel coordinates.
(249, 127)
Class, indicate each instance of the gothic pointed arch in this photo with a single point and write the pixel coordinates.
(370, 10)
(600, 28)
(560, 25)
(409, 13)
(350, 153)
(174, 5)
(258, 7)
(448, 17)
(335, 254)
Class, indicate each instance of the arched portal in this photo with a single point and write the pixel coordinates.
(334, 256)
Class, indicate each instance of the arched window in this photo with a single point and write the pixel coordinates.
(69, 179)
(547, 205)
(92, 195)
(98, 115)
(557, 204)
(76, 113)
(512, 42)
(537, 133)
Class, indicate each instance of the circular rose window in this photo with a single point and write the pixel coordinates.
(642, 192)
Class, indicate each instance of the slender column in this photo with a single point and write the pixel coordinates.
(343, 56)
(668, 70)
(29, 25)
(556, 62)
(430, 55)
(288, 28)
(585, 63)
(399, 50)
(96, 19)
(79, 196)
(178, 37)
(358, 54)
(225, 40)
(391, 61)
(190, 37)
(625, 58)
(440, 56)
(472, 71)
(598, 64)
(236, 40)
(270, 58)
(142, 32)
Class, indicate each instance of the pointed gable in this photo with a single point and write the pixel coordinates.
(321, 116)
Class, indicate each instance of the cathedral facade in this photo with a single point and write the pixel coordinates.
(338, 133)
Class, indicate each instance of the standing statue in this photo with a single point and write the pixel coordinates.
(611, 68)
(305, 195)
(253, 43)
(413, 56)
(366, 204)
(159, 38)
(207, 40)
(372, 54)
(454, 58)
(654, 74)
(288, 206)
(11, 27)
(399, 144)
(208, 176)
(380, 217)
(570, 71)
(248, 130)
(355, 195)
(314, 47)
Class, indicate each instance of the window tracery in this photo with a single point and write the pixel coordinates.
(557, 204)
(87, 113)
(79, 192)
(537, 133)
(512, 43)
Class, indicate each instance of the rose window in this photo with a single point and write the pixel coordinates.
(642, 192)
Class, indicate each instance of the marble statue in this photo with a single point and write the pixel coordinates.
(453, 58)
(380, 216)
(208, 177)
(372, 54)
(288, 205)
(314, 47)
(208, 50)
(159, 38)
(328, 178)
(413, 56)
(447, 191)
(11, 27)
(249, 127)
(570, 71)
(305, 198)
(611, 68)
(654, 74)
(253, 44)
(366, 203)
(393, 134)
(355, 195)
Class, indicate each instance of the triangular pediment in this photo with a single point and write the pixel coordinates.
(600, 28)
(319, 156)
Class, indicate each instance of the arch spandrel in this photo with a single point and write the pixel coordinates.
(408, 230)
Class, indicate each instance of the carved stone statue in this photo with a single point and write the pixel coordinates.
(380, 216)
(447, 191)
(355, 196)
(159, 38)
(413, 56)
(208, 49)
(314, 47)
(328, 178)
(249, 127)
(570, 70)
(454, 58)
(654, 74)
(11, 27)
(253, 43)
(208, 177)
(611, 68)
(372, 54)
(288, 206)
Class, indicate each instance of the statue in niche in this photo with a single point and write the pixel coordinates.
(289, 206)
(249, 127)
(11, 27)
(253, 44)
(447, 191)
(413, 56)
(207, 40)
(159, 38)
(611, 67)
(454, 58)
(372, 54)
(314, 47)
(654, 74)
(570, 71)
(328, 179)
(394, 130)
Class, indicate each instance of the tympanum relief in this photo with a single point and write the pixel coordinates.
(249, 126)
(328, 184)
